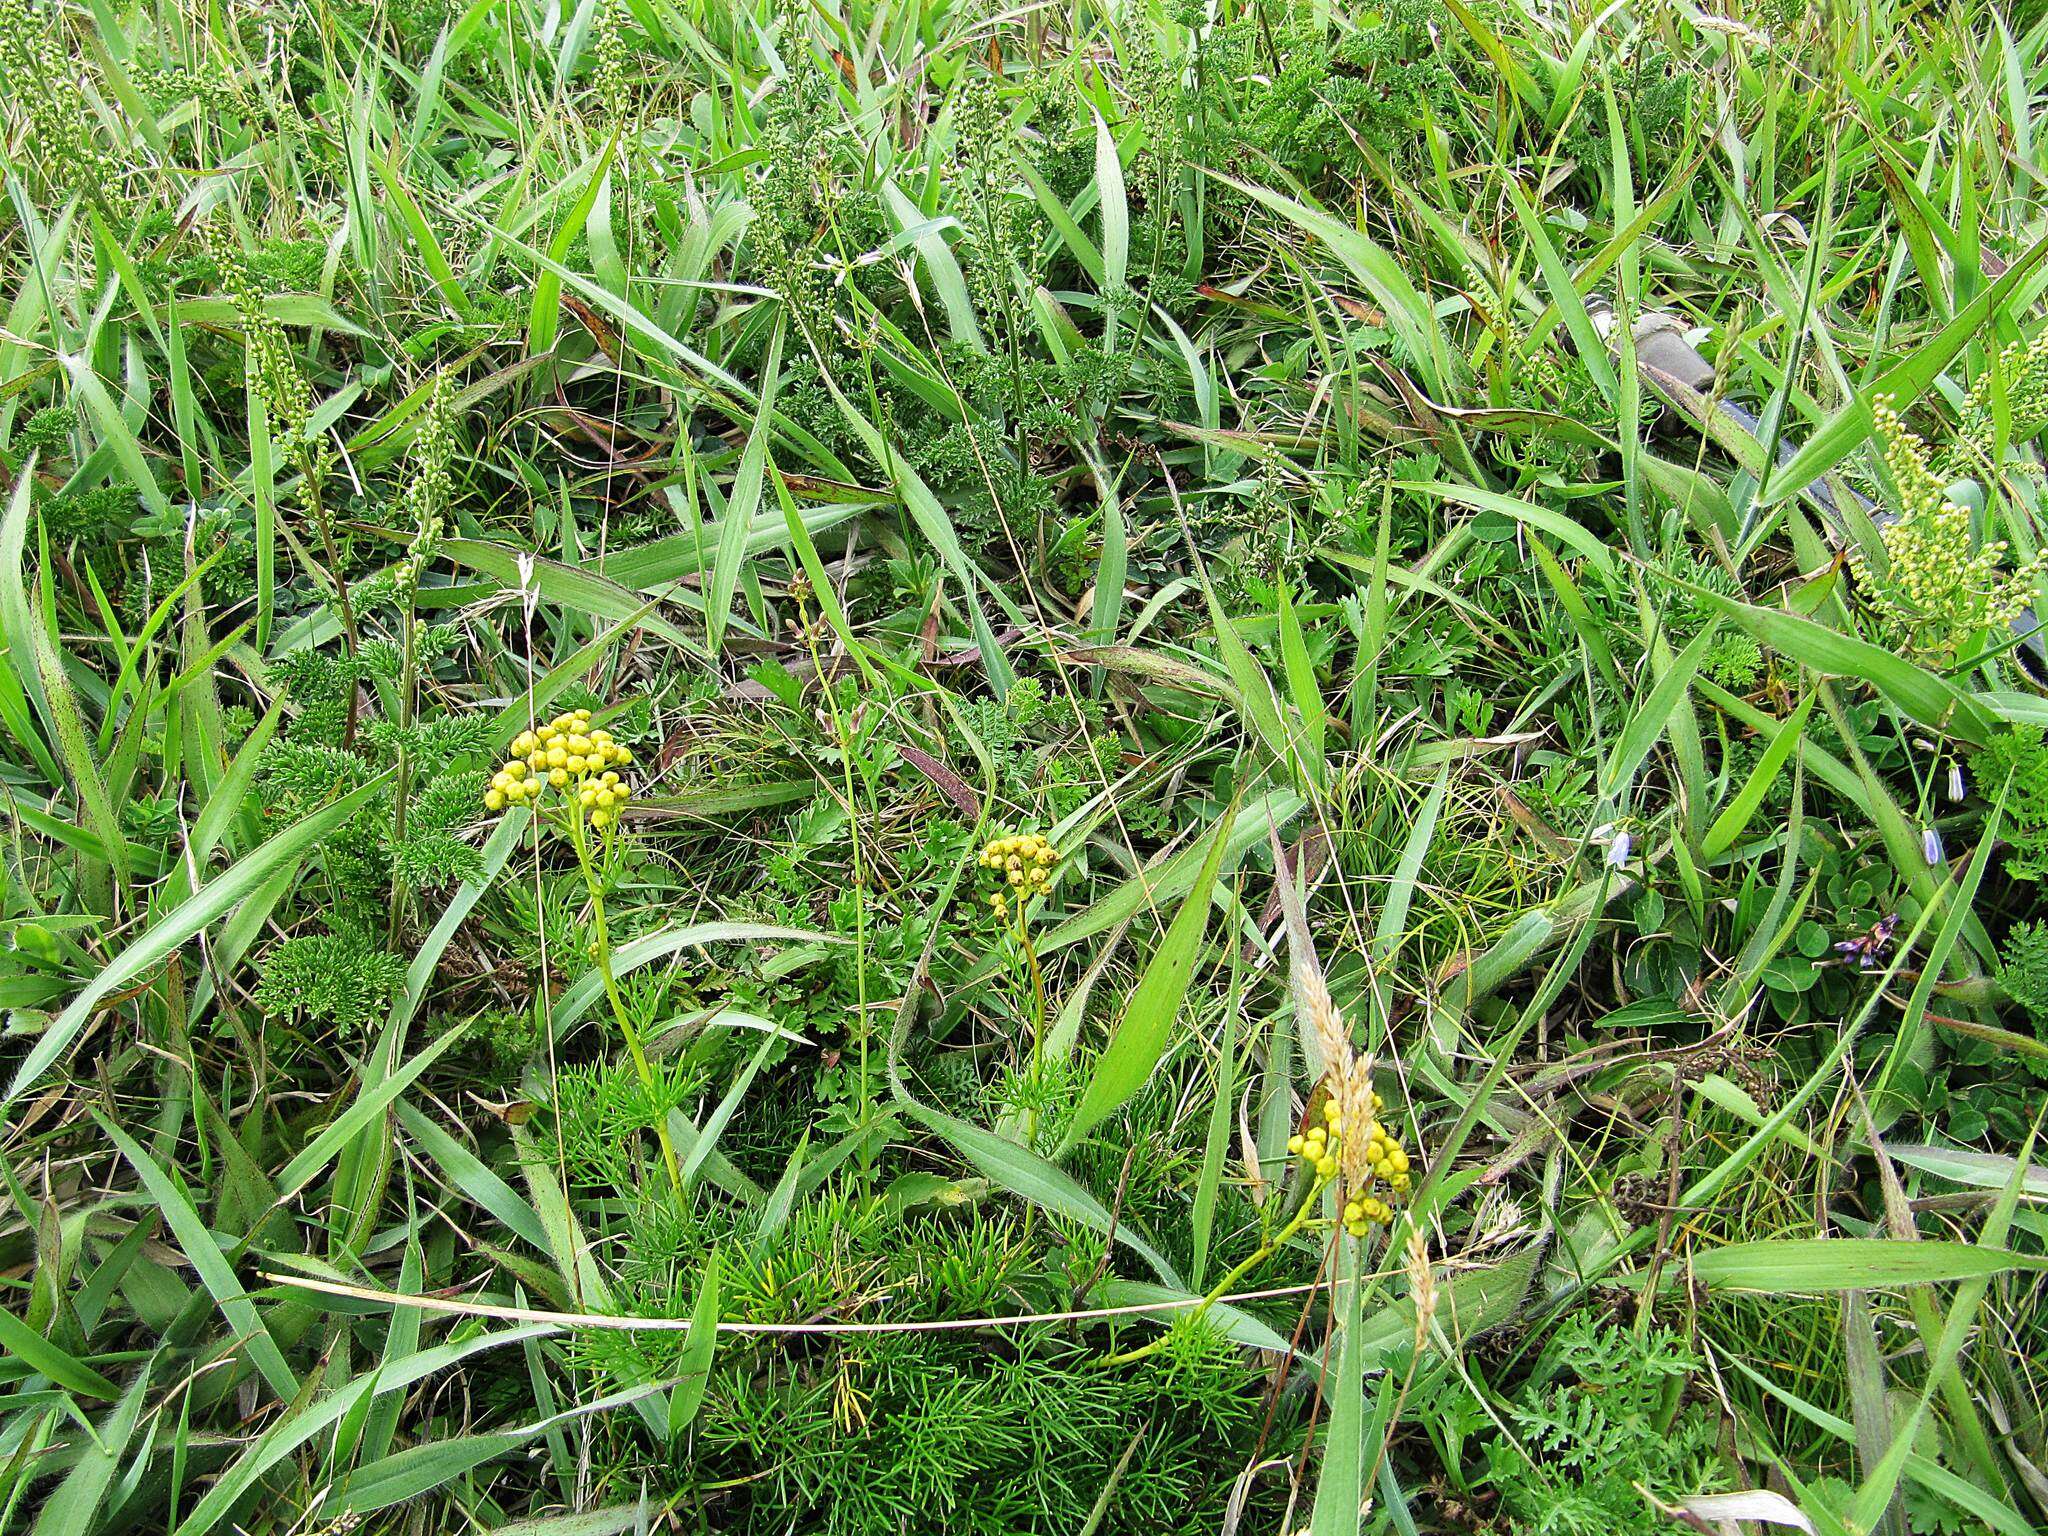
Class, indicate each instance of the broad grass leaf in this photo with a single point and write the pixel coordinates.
(664, 942)
(1928, 1473)
(115, 432)
(300, 1426)
(544, 318)
(419, 1469)
(1734, 819)
(1921, 695)
(369, 1105)
(24, 1344)
(1339, 1508)
(1960, 1165)
(421, 231)
(1026, 1174)
(738, 518)
(701, 1342)
(1141, 1035)
(1116, 213)
(202, 1252)
(940, 267)
(571, 587)
(1468, 1303)
(67, 724)
(1216, 1142)
(1543, 519)
(1239, 1326)
(705, 1142)
(1646, 726)
(1151, 889)
(173, 929)
(1393, 918)
(1587, 344)
(1822, 1264)
(1905, 381)
(20, 686)
(1411, 316)
(73, 1507)
(468, 1174)
(614, 1520)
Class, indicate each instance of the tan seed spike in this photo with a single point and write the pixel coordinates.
(1421, 1286)
(1354, 1100)
(1312, 1000)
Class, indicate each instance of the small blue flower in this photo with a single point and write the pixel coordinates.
(1930, 846)
(1617, 851)
(1955, 781)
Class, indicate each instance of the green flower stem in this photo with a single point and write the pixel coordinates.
(578, 835)
(1217, 1292)
(1037, 991)
(408, 708)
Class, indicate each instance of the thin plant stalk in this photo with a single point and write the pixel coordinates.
(601, 949)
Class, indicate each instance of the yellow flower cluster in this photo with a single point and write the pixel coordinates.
(565, 754)
(1320, 1147)
(1024, 862)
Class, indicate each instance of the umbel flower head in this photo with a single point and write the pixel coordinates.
(1351, 1144)
(567, 758)
(1024, 863)
(1373, 1157)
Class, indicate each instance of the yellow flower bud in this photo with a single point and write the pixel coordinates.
(494, 799)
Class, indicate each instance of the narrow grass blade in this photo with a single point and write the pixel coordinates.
(1141, 1036)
